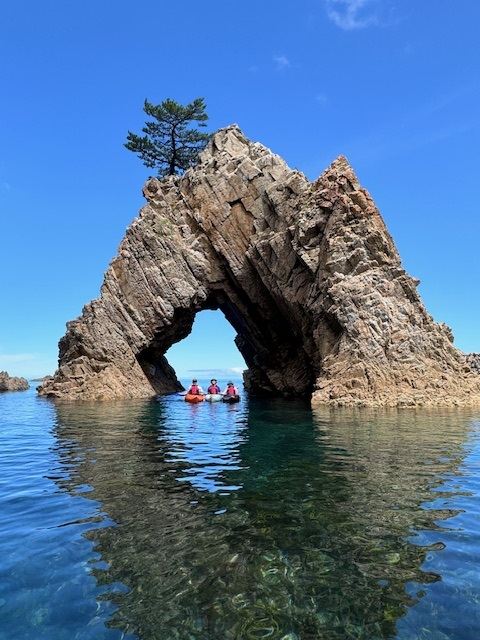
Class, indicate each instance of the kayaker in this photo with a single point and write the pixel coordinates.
(196, 389)
(213, 388)
(230, 390)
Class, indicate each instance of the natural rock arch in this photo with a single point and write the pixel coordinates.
(306, 272)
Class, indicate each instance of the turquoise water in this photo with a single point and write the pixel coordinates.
(161, 520)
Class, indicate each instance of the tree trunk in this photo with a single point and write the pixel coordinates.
(173, 157)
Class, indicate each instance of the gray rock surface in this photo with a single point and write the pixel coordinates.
(12, 383)
(306, 272)
(473, 360)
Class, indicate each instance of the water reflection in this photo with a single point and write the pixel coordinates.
(265, 521)
(206, 438)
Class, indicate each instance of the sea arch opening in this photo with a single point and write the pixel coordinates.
(271, 354)
(209, 351)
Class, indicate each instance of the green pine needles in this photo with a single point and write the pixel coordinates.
(169, 144)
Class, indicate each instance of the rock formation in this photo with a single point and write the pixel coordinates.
(306, 272)
(473, 360)
(11, 383)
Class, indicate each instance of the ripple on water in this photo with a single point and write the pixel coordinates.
(260, 520)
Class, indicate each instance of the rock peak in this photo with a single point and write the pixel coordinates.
(230, 140)
(306, 273)
(341, 169)
(340, 164)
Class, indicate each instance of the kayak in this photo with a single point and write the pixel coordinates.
(214, 397)
(189, 397)
(231, 399)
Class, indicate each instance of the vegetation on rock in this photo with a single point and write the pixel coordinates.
(169, 144)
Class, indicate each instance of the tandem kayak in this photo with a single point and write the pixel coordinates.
(190, 397)
(231, 399)
(214, 397)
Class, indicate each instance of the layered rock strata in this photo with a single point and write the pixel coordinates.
(306, 272)
(12, 383)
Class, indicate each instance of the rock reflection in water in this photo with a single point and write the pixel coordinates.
(262, 521)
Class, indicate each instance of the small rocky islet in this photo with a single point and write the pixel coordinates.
(12, 383)
(306, 272)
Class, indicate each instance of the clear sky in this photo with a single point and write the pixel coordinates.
(393, 84)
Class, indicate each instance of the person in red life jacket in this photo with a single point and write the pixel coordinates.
(231, 390)
(196, 389)
(213, 388)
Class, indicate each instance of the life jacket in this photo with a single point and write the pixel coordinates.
(231, 391)
(214, 388)
(194, 390)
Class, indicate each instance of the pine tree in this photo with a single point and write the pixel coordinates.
(169, 145)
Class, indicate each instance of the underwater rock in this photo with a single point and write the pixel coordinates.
(306, 273)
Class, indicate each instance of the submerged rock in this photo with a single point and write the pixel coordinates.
(12, 383)
(306, 272)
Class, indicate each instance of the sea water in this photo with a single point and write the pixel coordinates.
(162, 520)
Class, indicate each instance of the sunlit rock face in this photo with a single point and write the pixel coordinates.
(306, 273)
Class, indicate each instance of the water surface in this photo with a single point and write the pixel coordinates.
(162, 520)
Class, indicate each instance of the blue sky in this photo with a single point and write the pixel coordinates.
(393, 85)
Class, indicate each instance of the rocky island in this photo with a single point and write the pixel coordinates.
(306, 272)
(12, 383)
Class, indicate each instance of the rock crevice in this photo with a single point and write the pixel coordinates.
(306, 273)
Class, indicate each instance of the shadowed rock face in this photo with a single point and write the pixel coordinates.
(306, 273)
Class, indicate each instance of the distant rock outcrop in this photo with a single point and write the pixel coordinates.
(473, 360)
(11, 383)
(306, 272)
